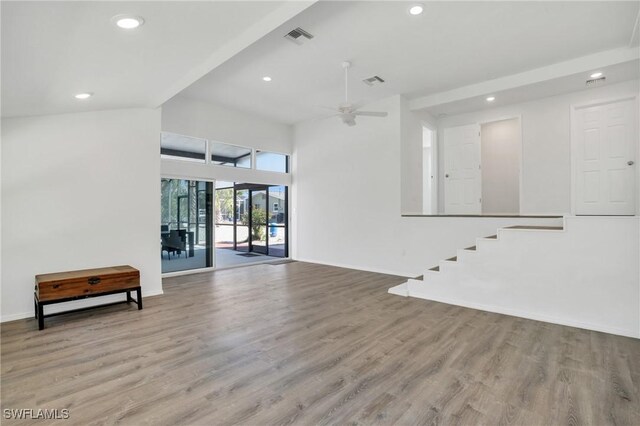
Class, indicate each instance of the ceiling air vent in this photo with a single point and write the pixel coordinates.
(596, 82)
(298, 35)
(372, 80)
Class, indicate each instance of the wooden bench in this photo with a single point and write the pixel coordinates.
(73, 285)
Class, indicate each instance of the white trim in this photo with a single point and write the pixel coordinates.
(81, 303)
(573, 108)
(358, 268)
(214, 269)
(179, 177)
(188, 271)
(203, 171)
(529, 315)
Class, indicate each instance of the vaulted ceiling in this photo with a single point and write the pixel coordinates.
(451, 44)
(53, 50)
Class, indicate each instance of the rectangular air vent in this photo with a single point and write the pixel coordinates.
(596, 82)
(373, 80)
(298, 35)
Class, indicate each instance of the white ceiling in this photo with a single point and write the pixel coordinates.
(53, 50)
(451, 44)
(571, 83)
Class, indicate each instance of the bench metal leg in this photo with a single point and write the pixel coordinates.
(129, 297)
(40, 309)
(139, 294)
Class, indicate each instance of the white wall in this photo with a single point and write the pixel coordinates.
(210, 121)
(546, 143)
(411, 154)
(347, 200)
(500, 153)
(78, 191)
(583, 276)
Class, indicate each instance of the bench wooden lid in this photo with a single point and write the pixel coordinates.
(101, 272)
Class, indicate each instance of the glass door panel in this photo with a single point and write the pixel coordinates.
(277, 221)
(258, 220)
(242, 220)
(185, 229)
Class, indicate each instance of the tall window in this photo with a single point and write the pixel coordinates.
(272, 162)
(187, 148)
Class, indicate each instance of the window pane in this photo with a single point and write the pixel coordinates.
(277, 205)
(230, 155)
(272, 162)
(178, 147)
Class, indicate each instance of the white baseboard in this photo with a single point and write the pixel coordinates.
(75, 304)
(529, 315)
(400, 290)
(358, 267)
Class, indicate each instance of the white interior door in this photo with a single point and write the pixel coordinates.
(462, 177)
(605, 155)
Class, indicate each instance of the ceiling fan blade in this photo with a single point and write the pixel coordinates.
(334, 109)
(324, 117)
(371, 113)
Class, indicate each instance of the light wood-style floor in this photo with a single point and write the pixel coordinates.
(300, 343)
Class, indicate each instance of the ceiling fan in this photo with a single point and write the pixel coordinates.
(347, 111)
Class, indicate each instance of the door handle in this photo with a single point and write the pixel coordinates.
(446, 175)
(630, 163)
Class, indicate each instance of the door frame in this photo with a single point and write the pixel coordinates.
(521, 160)
(434, 169)
(250, 187)
(574, 145)
(520, 154)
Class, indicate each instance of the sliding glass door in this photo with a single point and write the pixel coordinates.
(251, 222)
(185, 227)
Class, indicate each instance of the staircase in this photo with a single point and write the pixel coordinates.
(583, 273)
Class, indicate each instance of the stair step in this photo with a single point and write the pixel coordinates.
(493, 237)
(435, 268)
(545, 228)
(419, 278)
(453, 259)
(473, 248)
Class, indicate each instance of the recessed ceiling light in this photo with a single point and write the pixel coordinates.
(266, 78)
(491, 98)
(83, 95)
(127, 22)
(416, 9)
(596, 75)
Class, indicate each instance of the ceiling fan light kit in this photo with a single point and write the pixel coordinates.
(348, 111)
